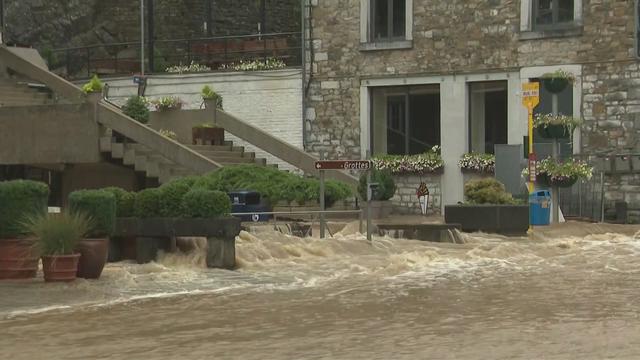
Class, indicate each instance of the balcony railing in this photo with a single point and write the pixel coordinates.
(121, 59)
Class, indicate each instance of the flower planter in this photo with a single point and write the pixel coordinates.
(18, 259)
(93, 257)
(208, 136)
(555, 85)
(60, 268)
(501, 219)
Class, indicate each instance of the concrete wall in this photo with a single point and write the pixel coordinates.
(96, 176)
(48, 134)
(270, 100)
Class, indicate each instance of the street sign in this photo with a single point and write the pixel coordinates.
(139, 80)
(343, 165)
(531, 95)
(533, 168)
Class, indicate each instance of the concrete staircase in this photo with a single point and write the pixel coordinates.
(143, 159)
(23, 94)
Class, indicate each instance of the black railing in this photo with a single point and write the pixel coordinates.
(213, 52)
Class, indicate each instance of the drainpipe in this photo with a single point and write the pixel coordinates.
(303, 47)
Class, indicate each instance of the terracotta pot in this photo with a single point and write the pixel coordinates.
(18, 259)
(60, 267)
(93, 256)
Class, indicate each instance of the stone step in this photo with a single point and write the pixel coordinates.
(226, 154)
(200, 148)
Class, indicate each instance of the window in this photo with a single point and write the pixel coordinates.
(406, 120)
(488, 115)
(388, 19)
(553, 13)
(386, 24)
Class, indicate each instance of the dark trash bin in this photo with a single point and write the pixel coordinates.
(249, 203)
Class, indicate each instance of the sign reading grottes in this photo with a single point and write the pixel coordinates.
(343, 165)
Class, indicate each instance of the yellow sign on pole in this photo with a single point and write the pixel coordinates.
(531, 99)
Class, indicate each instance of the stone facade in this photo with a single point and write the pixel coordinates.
(405, 200)
(455, 40)
(63, 23)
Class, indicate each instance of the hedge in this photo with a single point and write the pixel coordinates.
(202, 203)
(147, 203)
(20, 199)
(99, 206)
(124, 201)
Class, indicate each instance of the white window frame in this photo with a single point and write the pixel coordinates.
(366, 38)
(527, 16)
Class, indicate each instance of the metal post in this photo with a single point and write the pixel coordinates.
(369, 237)
(151, 25)
(602, 196)
(2, 22)
(555, 193)
(142, 37)
(322, 204)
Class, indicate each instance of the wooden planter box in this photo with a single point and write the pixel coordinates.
(208, 136)
(501, 219)
(154, 234)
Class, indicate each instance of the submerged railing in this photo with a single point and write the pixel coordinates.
(217, 53)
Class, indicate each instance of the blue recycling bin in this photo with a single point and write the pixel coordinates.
(539, 207)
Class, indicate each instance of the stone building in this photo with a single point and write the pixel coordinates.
(399, 76)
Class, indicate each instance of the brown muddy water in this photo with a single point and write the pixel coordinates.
(344, 298)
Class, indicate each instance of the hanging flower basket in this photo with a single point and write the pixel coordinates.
(551, 172)
(545, 180)
(556, 126)
(557, 81)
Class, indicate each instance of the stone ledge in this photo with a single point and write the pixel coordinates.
(551, 33)
(386, 45)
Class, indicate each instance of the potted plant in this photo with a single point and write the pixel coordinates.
(490, 208)
(19, 199)
(556, 126)
(551, 172)
(93, 86)
(478, 163)
(557, 81)
(168, 134)
(58, 237)
(207, 134)
(385, 189)
(137, 108)
(209, 95)
(168, 103)
(100, 207)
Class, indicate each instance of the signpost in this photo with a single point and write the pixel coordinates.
(531, 99)
(323, 165)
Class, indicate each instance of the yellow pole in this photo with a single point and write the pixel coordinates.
(531, 186)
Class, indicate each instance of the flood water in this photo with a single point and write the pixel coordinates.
(344, 298)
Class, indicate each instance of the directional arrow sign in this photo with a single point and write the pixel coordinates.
(343, 165)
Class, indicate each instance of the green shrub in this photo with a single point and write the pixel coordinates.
(334, 191)
(94, 85)
(99, 206)
(487, 191)
(137, 108)
(168, 103)
(20, 199)
(386, 186)
(124, 201)
(202, 203)
(58, 234)
(171, 195)
(208, 94)
(147, 203)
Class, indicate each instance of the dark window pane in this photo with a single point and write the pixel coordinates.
(544, 12)
(399, 18)
(381, 19)
(424, 122)
(396, 118)
(565, 10)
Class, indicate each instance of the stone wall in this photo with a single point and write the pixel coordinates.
(405, 200)
(485, 39)
(67, 23)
